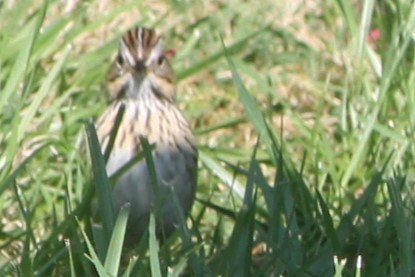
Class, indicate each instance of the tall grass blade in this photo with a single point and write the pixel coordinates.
(154, 248)
(102, 184)
(113, 258)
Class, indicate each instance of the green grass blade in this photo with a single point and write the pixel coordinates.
(328, 223)
(44, 90)
(13, 175)
(154, 248)
(147, 151)
(20, 66)
(102, 184)
(114, 132)
(251, 107)
(222, 174)
(403, 229)
(112, 260)
(94, 257)
(71, 260)
(363, 32)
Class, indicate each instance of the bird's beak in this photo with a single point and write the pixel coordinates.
(140, 67)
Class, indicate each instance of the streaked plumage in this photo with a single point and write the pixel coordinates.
(148, 92)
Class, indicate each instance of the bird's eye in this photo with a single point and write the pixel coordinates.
(120, 60)
(161, 60)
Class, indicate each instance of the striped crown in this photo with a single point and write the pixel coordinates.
(141, 51)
